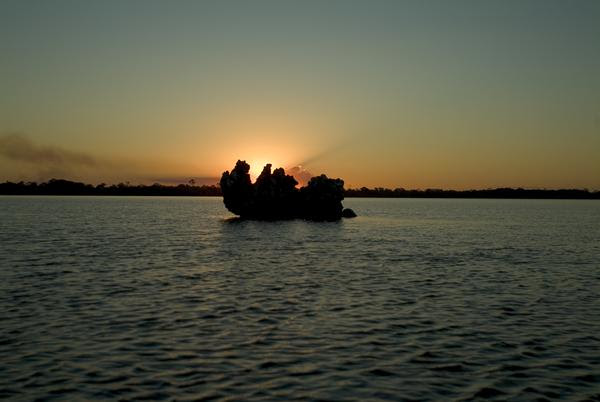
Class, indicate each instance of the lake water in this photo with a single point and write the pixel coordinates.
(163, 298)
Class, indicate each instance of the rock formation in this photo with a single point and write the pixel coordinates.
(275, 196)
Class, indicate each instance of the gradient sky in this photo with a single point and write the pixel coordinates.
(445, 94)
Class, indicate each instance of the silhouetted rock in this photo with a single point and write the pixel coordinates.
(322, 198)
(237, 189)
(275, 196)
(348, 213)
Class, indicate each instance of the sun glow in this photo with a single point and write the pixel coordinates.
(257, 165)
(261, 135)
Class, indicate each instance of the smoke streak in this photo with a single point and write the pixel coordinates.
(17, 147)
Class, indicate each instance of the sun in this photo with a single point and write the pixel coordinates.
(257, 165)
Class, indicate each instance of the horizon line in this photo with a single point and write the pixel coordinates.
(361, 188)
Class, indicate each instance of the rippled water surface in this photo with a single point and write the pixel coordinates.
(164, 298)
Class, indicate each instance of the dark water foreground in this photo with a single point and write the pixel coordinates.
(158, 298)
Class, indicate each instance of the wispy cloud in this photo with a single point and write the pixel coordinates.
(301, 175)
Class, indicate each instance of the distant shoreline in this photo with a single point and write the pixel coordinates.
(71, 188)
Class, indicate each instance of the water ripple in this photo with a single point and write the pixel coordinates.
(160, 299)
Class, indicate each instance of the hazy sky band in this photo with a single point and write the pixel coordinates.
(415, 94)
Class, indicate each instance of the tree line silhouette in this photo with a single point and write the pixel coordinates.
(67, 187)
(506, 192)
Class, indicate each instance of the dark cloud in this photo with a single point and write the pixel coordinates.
(18, 147)
(23, 159)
